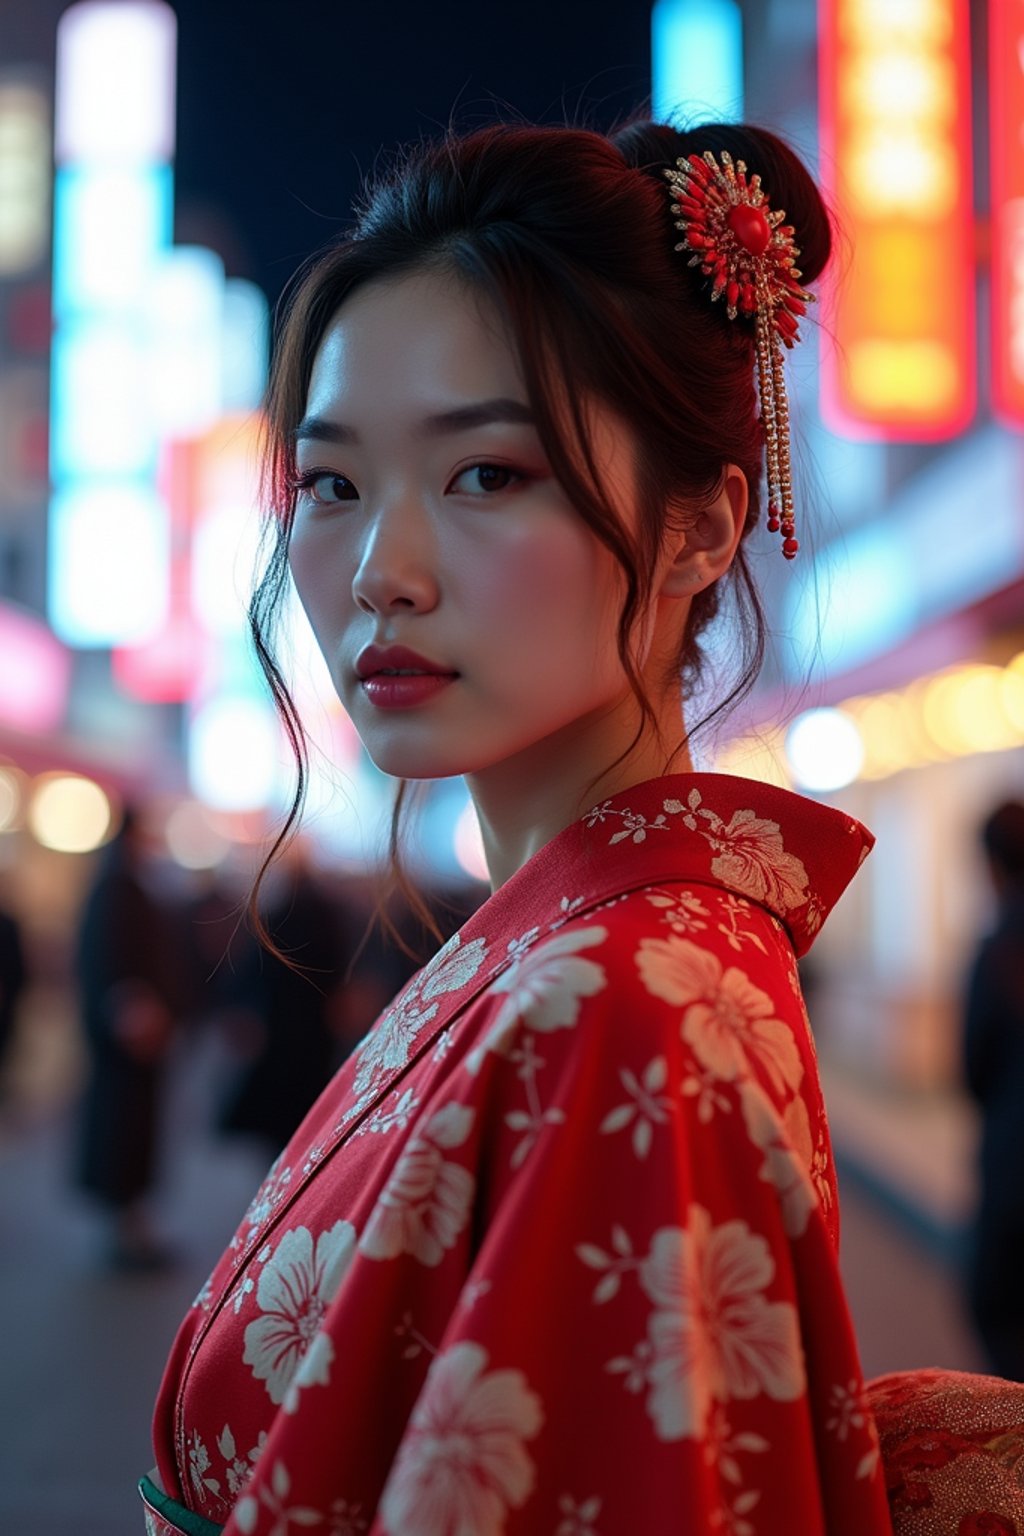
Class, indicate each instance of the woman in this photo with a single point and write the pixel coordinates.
(557, 1249)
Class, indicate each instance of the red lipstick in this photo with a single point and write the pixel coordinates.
(394, 677)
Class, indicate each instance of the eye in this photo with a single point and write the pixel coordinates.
(490, 479)
(324, 488)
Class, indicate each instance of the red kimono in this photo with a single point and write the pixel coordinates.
(556, 1252)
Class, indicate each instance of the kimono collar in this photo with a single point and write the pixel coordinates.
(788, 854)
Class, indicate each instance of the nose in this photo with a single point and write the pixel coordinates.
(396, 567)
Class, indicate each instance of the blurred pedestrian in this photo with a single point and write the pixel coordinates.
(125, 974)
(13, 977)
(283, 1015)
(994, 1071)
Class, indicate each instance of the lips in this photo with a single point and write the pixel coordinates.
(376, 659)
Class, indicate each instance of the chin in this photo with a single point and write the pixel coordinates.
(443, 757)
(403, 763)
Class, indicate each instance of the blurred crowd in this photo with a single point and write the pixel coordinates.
(162, 963)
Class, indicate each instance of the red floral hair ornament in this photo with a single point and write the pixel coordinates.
(745, 246)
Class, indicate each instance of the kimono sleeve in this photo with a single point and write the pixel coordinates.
(653, 1336)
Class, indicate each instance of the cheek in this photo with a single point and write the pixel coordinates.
(547, 588)
(318, 570)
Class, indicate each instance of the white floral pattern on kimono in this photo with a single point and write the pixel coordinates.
(426, 1202)
(294, 1289)
(544, 989)
(465, 1460)
(727, 1019)
(387, 1046)
(713, 1334)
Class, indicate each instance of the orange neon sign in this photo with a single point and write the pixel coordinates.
(1006, 74)
(896, 167)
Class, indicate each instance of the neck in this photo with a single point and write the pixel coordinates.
(525, 801)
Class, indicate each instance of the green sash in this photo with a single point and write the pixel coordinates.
(184, 1520)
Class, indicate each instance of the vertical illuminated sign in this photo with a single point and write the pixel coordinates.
(896, 164)
(696, 59)
(1006, 76)
(108, 546)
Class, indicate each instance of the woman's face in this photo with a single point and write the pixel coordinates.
(427, 517)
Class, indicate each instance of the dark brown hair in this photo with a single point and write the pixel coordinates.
(569, 233)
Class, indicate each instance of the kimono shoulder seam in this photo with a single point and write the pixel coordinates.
(622, 912)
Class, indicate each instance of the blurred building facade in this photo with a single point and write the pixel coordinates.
(902, 677)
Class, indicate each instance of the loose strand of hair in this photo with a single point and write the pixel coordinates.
(399, 882)
(266, 600)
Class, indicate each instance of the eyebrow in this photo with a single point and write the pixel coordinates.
(462, 418)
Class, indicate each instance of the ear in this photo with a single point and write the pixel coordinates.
(706, 547)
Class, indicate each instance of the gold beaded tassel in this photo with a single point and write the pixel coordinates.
(771, 385)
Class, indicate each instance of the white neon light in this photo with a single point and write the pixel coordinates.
(108, 564)
(696, 59)
(115, 82)
(24, 177)
(109, 226)
(101, 418)
(223, 562)
(186, 307)
(234, 754)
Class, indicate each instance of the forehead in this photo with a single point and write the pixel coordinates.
(409, 342)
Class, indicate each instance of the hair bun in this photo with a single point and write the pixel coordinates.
(650, 146)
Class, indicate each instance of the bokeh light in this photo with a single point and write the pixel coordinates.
(824, 749)
(69, 813)
(192, 839)
(964, 711)
(24, 176)
(234, 753)
(12, 790)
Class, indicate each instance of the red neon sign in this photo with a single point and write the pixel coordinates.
(896, 166)
(1006, 75)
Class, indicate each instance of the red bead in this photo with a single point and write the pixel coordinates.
(790, 548)
(750, 227)
(696, 239)
(748, 299)
(773, 525)
(732, 293)
(785, 322)
(700, 166)
(795, 306)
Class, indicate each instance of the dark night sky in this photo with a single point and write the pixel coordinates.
(284, 104)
